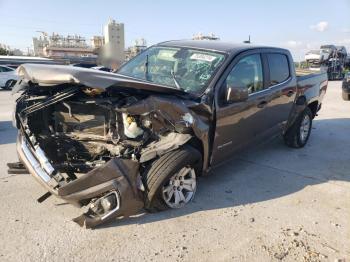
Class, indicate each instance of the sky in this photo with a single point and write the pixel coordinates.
(297, 25)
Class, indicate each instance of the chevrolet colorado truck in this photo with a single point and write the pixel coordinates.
(138, 139)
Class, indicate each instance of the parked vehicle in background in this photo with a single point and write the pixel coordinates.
(341, 52)
(8, 77)
(329, 58)
(335, 69)
(331, 49)
(346, 87)
(140, 138)
(347, 61)
(316, 56)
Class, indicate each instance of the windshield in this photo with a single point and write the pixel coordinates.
(181, 68)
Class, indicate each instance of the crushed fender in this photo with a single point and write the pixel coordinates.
(122, 177)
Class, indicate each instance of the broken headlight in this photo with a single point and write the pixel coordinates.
(106, 205)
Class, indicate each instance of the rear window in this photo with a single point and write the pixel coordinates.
(279, 68)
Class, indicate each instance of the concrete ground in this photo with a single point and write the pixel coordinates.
(267, 204)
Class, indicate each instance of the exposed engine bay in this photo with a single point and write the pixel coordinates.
(89, 129)
(88, 132)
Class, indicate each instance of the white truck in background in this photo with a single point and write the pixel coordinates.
(328, 58)
(317, 55)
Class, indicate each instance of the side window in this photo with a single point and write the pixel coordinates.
(279, 68)
(1, 69)
(247, 73)
(7, 69)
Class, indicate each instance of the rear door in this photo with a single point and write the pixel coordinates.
(282, 84)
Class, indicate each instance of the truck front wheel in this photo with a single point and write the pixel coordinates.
(171, 181)
(298, 134)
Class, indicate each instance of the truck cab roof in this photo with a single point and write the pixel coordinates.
(217, 46)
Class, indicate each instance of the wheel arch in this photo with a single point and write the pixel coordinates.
(300, 104)
(313, 107)
(197, 144)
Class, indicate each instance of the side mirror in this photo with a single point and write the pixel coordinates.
(234, 94)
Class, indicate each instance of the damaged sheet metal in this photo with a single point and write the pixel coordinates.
(166, 144)
(176, 115)
(117, 175)
(51, 75)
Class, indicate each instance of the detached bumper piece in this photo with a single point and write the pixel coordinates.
(109, 191)
(100, 210)
(16, 168)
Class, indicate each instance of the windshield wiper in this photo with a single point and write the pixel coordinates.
(175, 80)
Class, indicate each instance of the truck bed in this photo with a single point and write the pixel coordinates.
(312, 84)
(303, 74)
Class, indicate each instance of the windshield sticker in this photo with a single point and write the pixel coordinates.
(166, 54)
(203, 57)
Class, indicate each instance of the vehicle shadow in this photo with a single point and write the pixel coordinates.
(8, 133)
(269, 171)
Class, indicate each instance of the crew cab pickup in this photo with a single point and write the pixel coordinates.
(117, 143)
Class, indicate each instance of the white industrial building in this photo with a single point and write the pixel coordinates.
(114, 43)
(110, 46)
(57, 46)
(139, 46)
(107, 50)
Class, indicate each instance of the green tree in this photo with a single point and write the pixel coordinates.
(4, 51)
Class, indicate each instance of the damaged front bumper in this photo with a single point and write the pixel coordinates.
(111, 190)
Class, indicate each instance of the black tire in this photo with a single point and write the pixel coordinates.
(9, 84)
(345, 96)
(293, 137)
(162, 169)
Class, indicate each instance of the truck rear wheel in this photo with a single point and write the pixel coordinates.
(298, 134)
(171, 181)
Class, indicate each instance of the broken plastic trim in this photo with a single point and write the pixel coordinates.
(116, 194)
(34, 163)
(92, 217)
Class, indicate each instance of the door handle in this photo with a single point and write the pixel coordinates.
(262, 104)
(290, 93)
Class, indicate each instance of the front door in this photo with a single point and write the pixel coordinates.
(240, 123)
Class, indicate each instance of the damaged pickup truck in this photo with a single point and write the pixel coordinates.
(117, 143)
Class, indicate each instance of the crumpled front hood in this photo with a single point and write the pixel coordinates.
(51, 75)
